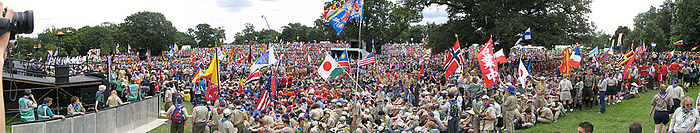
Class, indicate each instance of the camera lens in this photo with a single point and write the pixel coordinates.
(23, 22)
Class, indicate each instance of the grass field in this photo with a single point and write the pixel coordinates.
(617, 118)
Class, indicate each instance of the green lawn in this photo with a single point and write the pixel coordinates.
(165, 128)
(617, 118)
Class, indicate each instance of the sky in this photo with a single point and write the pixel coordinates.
(233, 14)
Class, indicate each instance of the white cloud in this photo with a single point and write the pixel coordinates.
(609, 14)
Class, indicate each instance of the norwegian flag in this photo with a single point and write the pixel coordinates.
(453, 60)
(264, 101)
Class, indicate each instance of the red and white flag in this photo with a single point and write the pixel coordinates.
(253, 77)
(453, 60)
(500, 57)
(264, 101)
(487, 63)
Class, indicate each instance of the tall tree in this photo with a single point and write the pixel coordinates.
(686, 25)
(147, 30)
(552, 22)
(207, 35)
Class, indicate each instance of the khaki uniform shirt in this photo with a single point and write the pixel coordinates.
(226, 127)
(200, 114)
(661, 103)
(547, 114)
(113, 101)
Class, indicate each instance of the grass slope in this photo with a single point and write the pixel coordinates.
(165, 128)
(617, 118)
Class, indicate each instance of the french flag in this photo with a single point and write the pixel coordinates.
(575, 58)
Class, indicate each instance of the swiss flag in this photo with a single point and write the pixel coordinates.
(453, 60)
(500, 57)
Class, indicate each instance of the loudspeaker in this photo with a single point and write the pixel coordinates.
(61, 74)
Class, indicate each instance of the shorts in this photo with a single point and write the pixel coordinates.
(661, 117)
(610, 90)
(587, 92)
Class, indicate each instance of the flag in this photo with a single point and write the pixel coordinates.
(343, 60)
(619, 39)
(264, 101)
(593, 52)
(670, 54)
(693, 49)
(265, 59)
(341, 12)
(500, 57)
(213, 71)
(253, 77)
(196, 76)
(273, 85)
(367, 60)
(329, 68)
(487, 64)
(356, 9)
(523, 73)
(629, 59)
(653, 45)
(526, 36)
(575, 58)
(679, 42)
(644, 47)
(607, 53)
(626, 57)
(212, 92)
(453, 60)
(128, 48)
(564, 67)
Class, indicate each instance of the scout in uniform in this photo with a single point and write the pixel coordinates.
(225, 125)
(45, 113)
(76, 107)
(26, 106)
(200, 114)
(509, 109)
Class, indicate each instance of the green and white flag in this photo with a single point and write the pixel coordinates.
(329, 68)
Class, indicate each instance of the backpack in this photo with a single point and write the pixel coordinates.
(177, 117)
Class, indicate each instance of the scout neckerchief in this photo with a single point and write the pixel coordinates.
(686, 114)
(75, 108)
(225, 119)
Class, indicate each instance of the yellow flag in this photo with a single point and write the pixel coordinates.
(213, 70)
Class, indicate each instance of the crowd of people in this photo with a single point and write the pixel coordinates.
(404, 91)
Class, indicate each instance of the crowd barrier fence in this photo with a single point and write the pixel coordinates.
(112, 120)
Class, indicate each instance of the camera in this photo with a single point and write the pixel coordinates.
(22, 23)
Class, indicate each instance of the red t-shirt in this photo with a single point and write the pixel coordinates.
(644, 70)
(674, 67)
(663, 70)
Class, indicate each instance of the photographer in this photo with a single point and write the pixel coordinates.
(4, 40)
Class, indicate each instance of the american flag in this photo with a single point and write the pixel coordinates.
(264, 101)
(367, 60)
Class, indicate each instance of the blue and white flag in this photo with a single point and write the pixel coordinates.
(266, 59)
(526, 36)
(593, 52)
